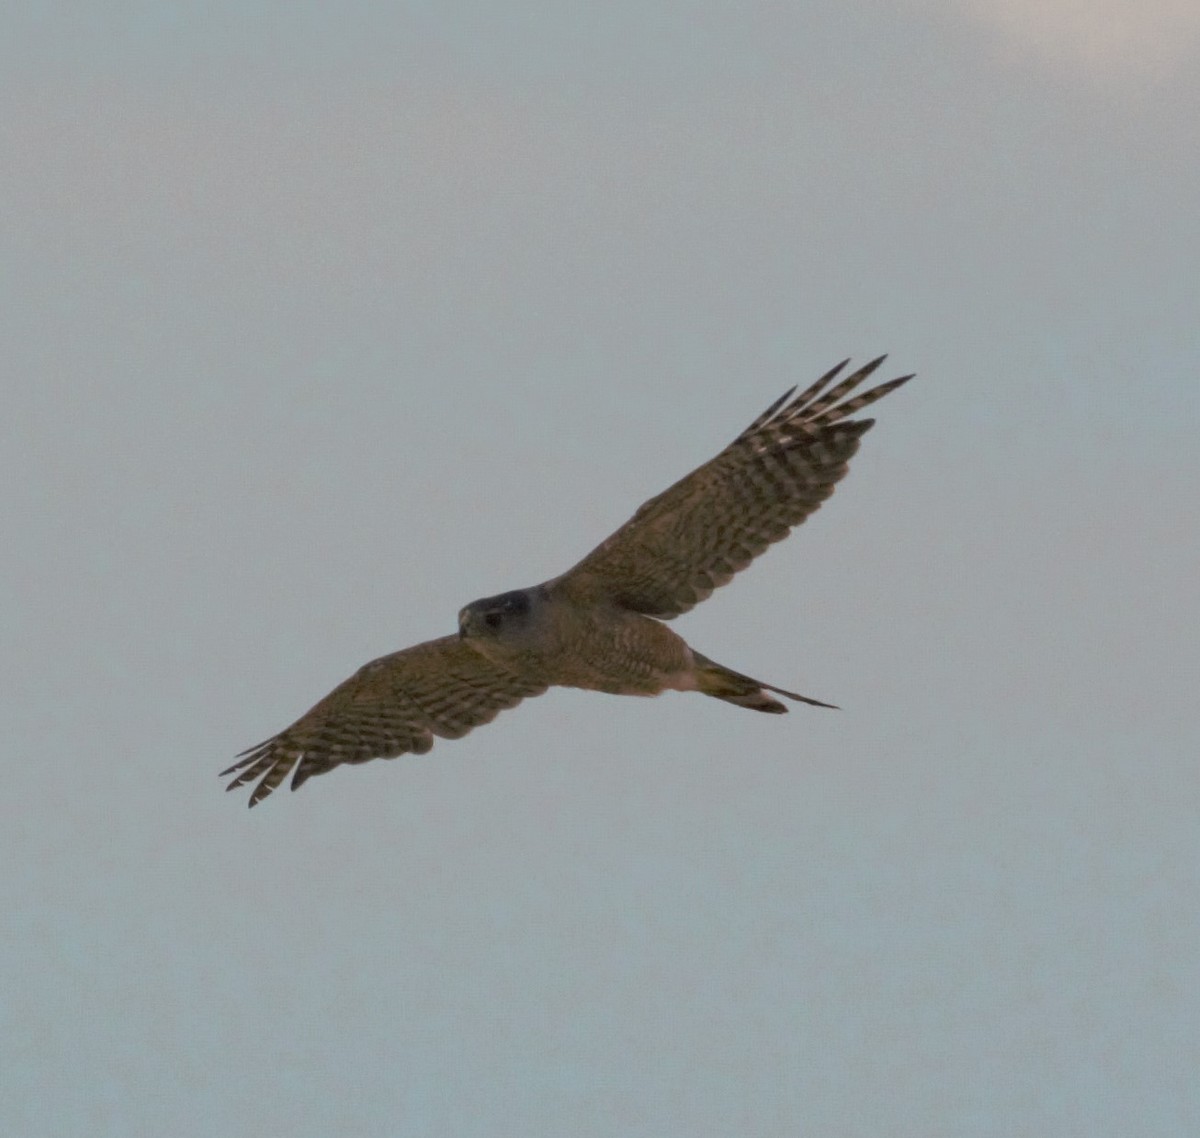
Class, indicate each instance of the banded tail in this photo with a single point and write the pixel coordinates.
(723, 683)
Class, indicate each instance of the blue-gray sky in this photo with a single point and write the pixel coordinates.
(318, 323)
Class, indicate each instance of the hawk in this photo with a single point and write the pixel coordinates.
(599, 625)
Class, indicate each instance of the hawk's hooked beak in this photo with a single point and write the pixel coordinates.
(462, 624)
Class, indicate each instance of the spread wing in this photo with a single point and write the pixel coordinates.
(392, 706)
(694, 536)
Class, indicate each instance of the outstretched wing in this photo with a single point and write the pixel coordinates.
(697, 534)
(392, 706)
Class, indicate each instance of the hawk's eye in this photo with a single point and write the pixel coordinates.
(492, 619)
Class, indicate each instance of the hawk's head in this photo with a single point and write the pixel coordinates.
(504, 617)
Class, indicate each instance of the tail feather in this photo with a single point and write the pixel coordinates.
(723, 683)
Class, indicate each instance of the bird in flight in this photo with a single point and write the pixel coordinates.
(599, 625)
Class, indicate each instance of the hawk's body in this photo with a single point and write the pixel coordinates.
(599, 647)
(599, 625)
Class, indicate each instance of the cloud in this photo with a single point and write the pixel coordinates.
(1108, 36)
